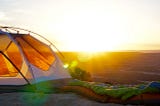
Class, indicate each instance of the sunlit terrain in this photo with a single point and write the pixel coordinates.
(117, 67)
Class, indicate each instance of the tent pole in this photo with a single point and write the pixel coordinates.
(15, 67)
(16, 28)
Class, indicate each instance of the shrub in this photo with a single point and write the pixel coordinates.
(78, 73)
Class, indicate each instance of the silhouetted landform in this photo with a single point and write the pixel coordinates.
(118, 67)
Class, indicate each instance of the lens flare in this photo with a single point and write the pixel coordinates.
(73, 64)
(66, 65)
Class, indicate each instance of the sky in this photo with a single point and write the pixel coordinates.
(88, 25)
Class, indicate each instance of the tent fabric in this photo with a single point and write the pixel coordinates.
(7, 70)
(25, 59)
(42, 59)
(11, 51)
(4, 42)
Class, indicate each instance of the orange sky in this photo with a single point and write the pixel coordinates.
(88, 25)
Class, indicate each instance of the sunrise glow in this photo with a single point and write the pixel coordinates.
(92, 25)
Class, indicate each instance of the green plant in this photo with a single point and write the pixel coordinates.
(78, 73)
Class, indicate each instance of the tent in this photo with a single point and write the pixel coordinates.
(27, 58)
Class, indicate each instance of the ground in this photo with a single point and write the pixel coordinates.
(41, 99)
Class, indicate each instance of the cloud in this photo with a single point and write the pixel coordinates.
(3, 16)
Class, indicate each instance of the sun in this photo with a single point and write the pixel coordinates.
(96, 43)
(90, 33)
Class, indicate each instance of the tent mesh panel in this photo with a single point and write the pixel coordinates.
(36, 52)
(12, 52)
(6, 68)
(14, 55)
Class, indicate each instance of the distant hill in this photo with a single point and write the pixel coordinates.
(143, 51)
(150, 51)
